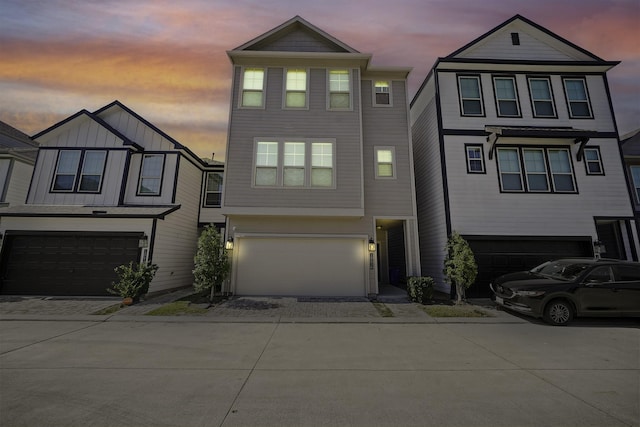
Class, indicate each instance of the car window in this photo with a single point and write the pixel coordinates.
(599, 275)
(627, 273)
(563, 270)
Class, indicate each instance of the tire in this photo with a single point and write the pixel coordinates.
(558, 312)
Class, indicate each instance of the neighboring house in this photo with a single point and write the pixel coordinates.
(107, 188)
(319, 192)
(17, 156)
(630, 144)
(516, 148)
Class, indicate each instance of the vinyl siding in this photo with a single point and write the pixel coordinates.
(299, 41)
(275, 122)
(17, 183)
(168, 178)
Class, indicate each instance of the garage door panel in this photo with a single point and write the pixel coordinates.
(300, 266)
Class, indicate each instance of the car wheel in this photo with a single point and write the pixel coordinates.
(558, 312)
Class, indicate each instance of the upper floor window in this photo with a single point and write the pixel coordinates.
(593, 161)
(470, 96)
(506, 96)
(545, 170)
(303, 163)
(296, 88)
(213, 190)
(541, 97)
(385, 164)
(577, 99)
(475, 159)
(635, 174)
(382, 92)
(87, 165)
(151, 174)
(339, 89)
(253, 87)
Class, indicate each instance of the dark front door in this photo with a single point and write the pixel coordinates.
(60, 263)
(610, 236)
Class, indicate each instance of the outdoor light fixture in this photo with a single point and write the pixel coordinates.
(372, 245)
(229, 244)
(143, 242)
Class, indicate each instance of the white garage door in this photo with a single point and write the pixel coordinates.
(306, 266)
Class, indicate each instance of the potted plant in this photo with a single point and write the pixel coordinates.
(134, 280)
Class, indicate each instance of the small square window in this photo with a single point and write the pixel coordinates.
(593, 162)
(475, 159)
(382, 93)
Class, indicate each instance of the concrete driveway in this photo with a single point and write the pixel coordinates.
(185, 373)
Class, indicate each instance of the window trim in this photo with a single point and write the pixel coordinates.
(329, 91)
(394, 169)
(551, 94)
(550, 174)
(242, 89)
(478, 78)
(374, 97)
(286, 91)
(308, 165)
(161, 177)
(207, 191)
(527, 172)
(494, 78)
(77, 179)
(595, 148)
(583, 79)
(481, 159)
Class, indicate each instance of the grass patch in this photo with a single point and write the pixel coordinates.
(454, 311)
(383, 310)
(202, 298)
(108, 310)
(177, 308)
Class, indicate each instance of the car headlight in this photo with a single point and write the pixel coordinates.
(529, 293)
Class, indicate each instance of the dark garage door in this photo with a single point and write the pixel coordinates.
(64, 263)
(497, 256)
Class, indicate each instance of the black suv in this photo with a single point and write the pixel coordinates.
(559, 290)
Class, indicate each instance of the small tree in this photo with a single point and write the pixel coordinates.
(460, 268)
(133, 280)
(211, 262)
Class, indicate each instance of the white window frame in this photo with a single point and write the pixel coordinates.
(463, 99)
(208, 191)
(378, 163)
(550, 100)
(151, 177)
(288, 90)
(475, 148)
(267, 162)
(514, 99)
(389, 93)
(291, 161)
(349, 91)
(597, 161)
(577, 101)
(243, 89)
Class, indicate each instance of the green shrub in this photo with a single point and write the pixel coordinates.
(134, 280)
(420, 289)
(460, 268)
(211, 262)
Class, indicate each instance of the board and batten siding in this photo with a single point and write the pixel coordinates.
(452, 118)
(168, 177)
(478, 207)
(176, 235)
(136, 130)
(286, 124)
(387, 127)
(430, 196)
(16, 184)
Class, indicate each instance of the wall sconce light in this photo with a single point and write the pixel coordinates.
(143, 242)
(372, 245)
(229, 244)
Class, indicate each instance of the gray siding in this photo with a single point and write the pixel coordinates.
(136, 130)
(17, 182)
(168, 178)
(299, 41)
(276, 122)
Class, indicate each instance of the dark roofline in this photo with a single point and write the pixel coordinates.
(16, 134)
(533, 24)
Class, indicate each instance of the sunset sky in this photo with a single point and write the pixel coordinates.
(167, 61)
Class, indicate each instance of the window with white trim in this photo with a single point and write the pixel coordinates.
(506, 96)
(470, 96)
(213, 190)
(296, 88)
(541, 97)
(385, 162)
(252, 88)
(294, 164)
(151, 175)
(577, 98)
(593, 161)
(266, 163)
(322, 164)
(79, 171)
(535, 169)
(475, 159)
(339, 89)
(635, 175)
(382, 92)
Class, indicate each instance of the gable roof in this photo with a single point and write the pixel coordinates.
(17, 143)
(307, 36)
